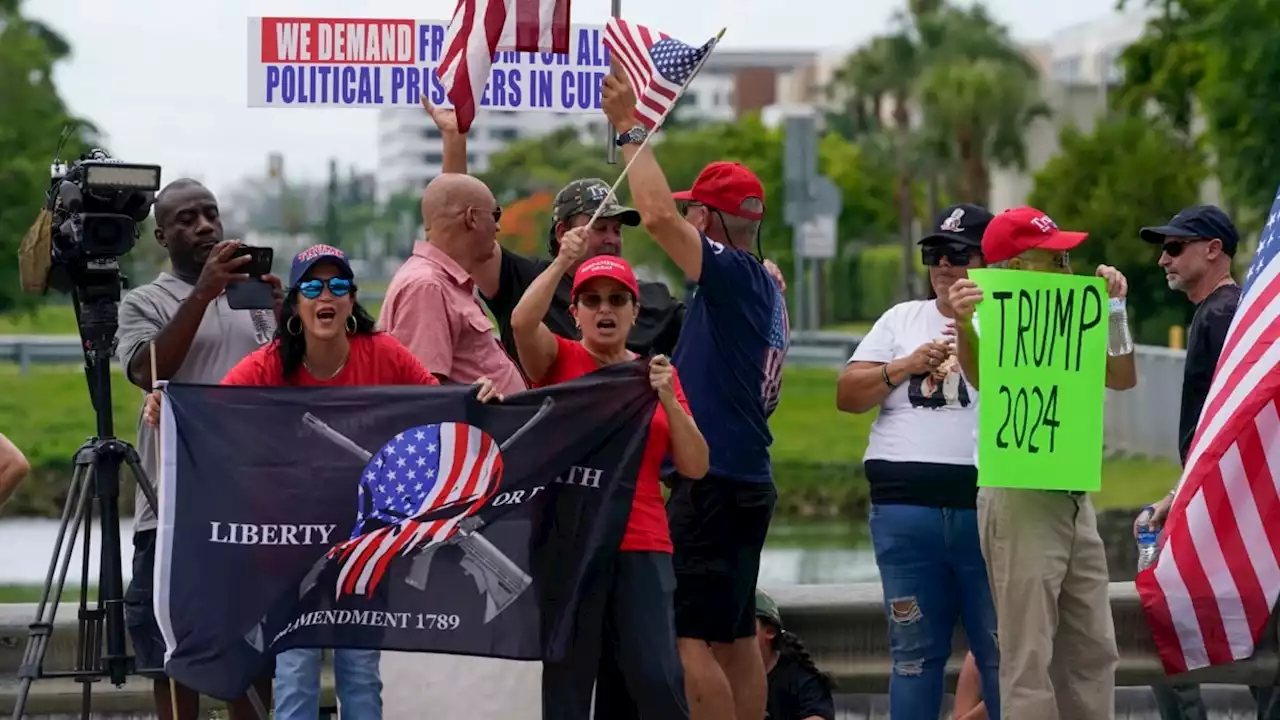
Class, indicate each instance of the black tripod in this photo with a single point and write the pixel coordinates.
(96, 478)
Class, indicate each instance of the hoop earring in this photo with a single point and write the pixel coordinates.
(351, 325)
(288, 325)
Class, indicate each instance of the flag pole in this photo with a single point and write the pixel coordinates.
(610, 137)
(657, 126)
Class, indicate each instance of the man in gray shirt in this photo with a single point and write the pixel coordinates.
(197, 338)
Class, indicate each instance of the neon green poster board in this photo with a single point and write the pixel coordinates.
(1041, 370)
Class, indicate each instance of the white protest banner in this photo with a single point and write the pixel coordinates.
(388, 63)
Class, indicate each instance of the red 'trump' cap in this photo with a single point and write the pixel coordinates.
(606, 266)
(1018, 230)
(725, 186)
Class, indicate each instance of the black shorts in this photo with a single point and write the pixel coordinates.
(139, 614)
(718, 527)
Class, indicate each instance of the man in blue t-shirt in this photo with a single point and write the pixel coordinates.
(729, 356)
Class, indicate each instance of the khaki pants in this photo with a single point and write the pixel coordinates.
(1049, 581)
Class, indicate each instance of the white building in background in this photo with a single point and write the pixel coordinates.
(732, 83)
(1078, 65)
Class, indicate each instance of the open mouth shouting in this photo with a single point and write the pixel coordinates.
(606, 324)
(326, 316)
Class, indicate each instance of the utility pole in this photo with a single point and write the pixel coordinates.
(812, 209)
(611, 136)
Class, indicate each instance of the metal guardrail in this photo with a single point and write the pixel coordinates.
(1142, 421)
(842, 625)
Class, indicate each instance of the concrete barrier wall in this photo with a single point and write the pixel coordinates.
(842, 625)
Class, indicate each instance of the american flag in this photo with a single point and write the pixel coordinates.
(1214, 585)
(481, 28)
(657, 66)
(419, 470)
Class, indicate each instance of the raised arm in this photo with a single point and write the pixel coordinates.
(689, 451)
(140, 325)
(487, 275)
(649, 189)
(535, 344)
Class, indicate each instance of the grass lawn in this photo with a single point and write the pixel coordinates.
(31, 594)
(49, 416)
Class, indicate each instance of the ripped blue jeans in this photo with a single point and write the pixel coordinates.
(933, 574)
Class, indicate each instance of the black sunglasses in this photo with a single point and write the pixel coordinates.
(1174, 248)
(957, 255)
(595, 300)
(496, 212)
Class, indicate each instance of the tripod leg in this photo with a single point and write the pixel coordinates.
(73, 514)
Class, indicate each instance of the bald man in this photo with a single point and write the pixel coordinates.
(431, 305)
(432, 308)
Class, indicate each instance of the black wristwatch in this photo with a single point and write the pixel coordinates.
(634, 136)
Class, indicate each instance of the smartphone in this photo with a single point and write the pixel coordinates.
(254, 293)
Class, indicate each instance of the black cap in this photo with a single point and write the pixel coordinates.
(961, 223)
(1198, 221)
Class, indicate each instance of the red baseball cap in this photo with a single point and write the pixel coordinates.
(725, 186)
(606, 266)
(1018, 230)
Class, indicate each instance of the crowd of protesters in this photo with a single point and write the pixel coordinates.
(687, 633)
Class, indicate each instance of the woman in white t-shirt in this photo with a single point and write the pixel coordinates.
(924, 486)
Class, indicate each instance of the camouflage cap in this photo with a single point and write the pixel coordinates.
(767, 608)
(583, 197)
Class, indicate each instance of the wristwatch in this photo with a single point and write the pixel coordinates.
(634, 136)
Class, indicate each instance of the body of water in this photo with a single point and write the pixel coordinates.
(796, 554)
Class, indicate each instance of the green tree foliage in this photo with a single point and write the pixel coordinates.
(1128, 173)
(1217, 58)
(528, 167)
(32, 117)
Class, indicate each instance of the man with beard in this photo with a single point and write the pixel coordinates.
(197, 338)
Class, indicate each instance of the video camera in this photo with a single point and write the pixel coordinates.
(95, 206)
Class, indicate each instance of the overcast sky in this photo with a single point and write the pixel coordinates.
(166, 79)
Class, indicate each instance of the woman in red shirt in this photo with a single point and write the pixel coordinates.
(640, 671)
(325, 338)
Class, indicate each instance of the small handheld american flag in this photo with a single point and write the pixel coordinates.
(658, 67)
(1214, 585)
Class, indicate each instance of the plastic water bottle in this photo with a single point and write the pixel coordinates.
(1119, 338)
(1147, 537)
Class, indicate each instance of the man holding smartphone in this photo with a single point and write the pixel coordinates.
(198, 337)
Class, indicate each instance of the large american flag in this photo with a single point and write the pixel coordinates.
(480, 28)
(420, 470)
(658, 66)
(1215, 583)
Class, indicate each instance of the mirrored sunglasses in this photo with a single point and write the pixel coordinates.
(311, 289)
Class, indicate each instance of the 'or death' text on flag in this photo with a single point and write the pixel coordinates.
(410, 519)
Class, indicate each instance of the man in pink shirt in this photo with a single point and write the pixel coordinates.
(432, 308)
(431, 305)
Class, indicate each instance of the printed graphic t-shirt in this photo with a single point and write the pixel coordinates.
(922, 420)
(730, 353)
(377, 359)
(647, 529)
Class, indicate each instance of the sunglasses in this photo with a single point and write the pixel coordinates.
(957, 255)
(1174, 248)
(311, 289)
(595, 300)
(496, 212)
